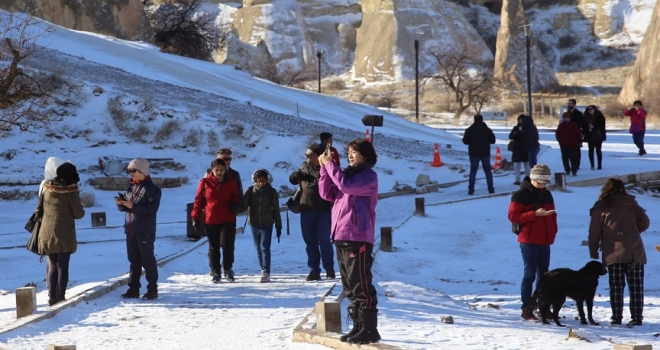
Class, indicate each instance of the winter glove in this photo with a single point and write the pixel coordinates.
(279, 233)
(235, 208)
(194, 225)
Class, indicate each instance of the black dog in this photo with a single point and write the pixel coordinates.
(556, 285)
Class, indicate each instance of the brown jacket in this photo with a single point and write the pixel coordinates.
(60, 209)
(616, 227)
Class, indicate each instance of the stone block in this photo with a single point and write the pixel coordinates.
(632, 347)
(432, 187)
(420, 208)
(421, 190)
(328, 316)
(87, 199)
(26, 301)
(422, 179)
(585, 243)
(386, 239)
(61, 347)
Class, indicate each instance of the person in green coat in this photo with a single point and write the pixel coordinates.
(57, 235)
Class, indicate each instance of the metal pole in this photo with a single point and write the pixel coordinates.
(529, 72)
(319, 54)
(417, 81)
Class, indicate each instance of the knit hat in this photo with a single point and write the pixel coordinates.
(139, 164)
(541, 173)
(68, 173)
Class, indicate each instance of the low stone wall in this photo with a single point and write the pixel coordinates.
(119, 183)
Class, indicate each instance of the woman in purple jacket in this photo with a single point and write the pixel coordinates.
(354, 192)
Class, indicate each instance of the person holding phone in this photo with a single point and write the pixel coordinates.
(533, 207)
(140, 203)
(637, 124)
(326, 141)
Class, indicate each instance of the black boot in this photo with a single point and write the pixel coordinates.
(369, 332)
(357, 325)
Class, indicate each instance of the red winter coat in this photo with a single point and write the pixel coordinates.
(536, 229)
(637, 117)
(217, 199)
(568, 134)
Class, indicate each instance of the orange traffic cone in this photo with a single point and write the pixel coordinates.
(436, 157)
(498, 159)
(367, 136)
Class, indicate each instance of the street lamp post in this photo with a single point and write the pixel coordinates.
(529, 72)
(417, 81)
(318, 55)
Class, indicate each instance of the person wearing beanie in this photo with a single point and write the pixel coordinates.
(479, 137)
(533, 207)
(326, 141)
(57, 234)
(140, 203)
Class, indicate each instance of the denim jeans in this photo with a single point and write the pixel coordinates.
(536, 261)
(531, 154)
(262, 238)
(638, 139)
(474, 165)
(315, 227)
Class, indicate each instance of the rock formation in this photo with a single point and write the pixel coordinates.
(643, 81)
(511, 52)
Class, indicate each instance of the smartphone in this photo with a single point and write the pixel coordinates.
(121, 196)
(328, 148)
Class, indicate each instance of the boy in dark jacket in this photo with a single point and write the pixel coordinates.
(140, 203)
(263, 205)
(479, 137)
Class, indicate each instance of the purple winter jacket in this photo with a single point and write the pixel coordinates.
(354, 198)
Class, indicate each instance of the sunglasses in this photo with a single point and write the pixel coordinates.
(227, 159)
(134, 171)
(311, 155)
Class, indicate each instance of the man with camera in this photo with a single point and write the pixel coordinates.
(637, 124)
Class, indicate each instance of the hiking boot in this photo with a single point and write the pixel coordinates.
(357, 325)
(369, 331)
(634, 323)
(313, 276)
(615, 323)
(229, 275)
(528, 316)
(52, 302)
(265, 277)
(330, 275)
(216, 278)
(151, 294)
(131, 293)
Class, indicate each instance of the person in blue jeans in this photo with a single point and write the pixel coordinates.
(263, 205)
(479, 137)
(532, 145)
(315, 216)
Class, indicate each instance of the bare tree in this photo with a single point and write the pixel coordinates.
(182, 29)
(286, 75)
(391, 96)
(25, 101)
(467, 76)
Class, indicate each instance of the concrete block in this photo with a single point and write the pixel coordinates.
(386, 239)
(328, 316)
(26, 301)
(420, 208)
(61, 347)
(432, 187)
(585, 243)
(632, 347)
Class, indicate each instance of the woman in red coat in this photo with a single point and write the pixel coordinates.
(637, 124)
(217, 194)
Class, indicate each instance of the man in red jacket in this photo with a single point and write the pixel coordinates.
(533, 207)
(570, 139)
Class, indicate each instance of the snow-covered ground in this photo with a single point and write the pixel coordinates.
(459, 260)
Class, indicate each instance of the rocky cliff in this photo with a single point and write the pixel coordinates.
(643, 81)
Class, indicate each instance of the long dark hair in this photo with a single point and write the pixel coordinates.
(366, 150)
(217, 162)
(612, 186)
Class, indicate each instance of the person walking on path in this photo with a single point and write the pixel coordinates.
(140, 203)
(315, 216)
(57, 234)
(326, 138)
(354, 192)
(637, 125)
(533, 207)
(593, 130)
(569, 137)
(263, 206)
(479, 137)
(578, 118)
(217, 194)
(532, 145)
(519, 155)
(617, 222)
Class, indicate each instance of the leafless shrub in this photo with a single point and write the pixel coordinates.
(139, 133)
(212, 141)
(570, 59)
(167, 129)
(337, 84)
(286, 75)
(567, 41)
(192, 138)
(234, 129)
(118, 114)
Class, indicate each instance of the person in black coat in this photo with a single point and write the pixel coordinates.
(532, 145)
(578, 118)
(519, 155)
(479, 137)
(593, 130)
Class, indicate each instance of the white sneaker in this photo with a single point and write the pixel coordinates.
(265, 277)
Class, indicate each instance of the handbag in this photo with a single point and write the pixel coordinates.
(32, 221)
(293, 203)
(511, 145)
(33, 226)
(517, 228)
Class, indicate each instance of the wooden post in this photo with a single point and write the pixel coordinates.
(61, 347)
(419, 206)
(386, 239)
(632, 179)
(328, 316)
(26, 301)
(560, 181)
